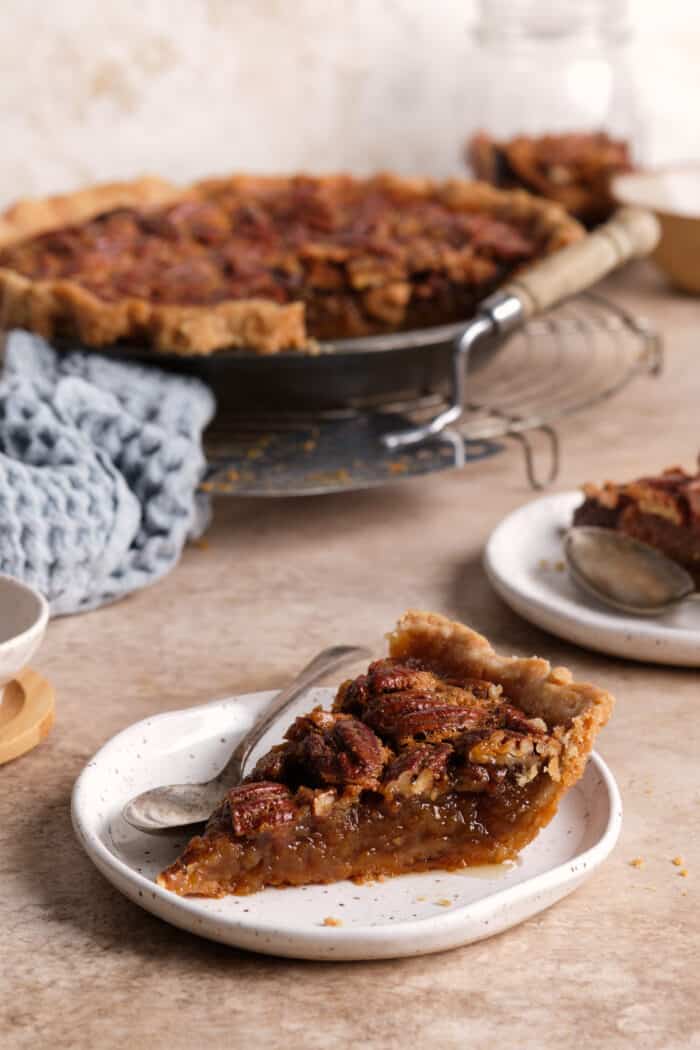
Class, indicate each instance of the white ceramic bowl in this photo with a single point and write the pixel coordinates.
(24, 614)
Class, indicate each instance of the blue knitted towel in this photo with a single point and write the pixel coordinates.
(99, 466)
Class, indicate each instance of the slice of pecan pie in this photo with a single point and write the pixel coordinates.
(266, 263)
(573, 168)
(662, 510)
(443, 755)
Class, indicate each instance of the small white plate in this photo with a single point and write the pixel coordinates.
(524, 560)
(409, 915)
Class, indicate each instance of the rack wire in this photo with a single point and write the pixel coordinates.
(585, 351)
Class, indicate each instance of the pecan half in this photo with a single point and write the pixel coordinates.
(273, 765)
(259, 805)
(405, 718)
(336, 749)
(418, 771)
(352, 696)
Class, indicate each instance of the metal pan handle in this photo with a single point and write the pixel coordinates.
(632, 232)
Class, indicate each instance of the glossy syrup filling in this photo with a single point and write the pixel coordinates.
(368, 840)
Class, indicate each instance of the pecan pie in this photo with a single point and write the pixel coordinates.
(442, 755)
(574, 169)
(266, 263)
(663, 510)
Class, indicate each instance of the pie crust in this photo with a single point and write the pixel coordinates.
(444, 755)
(265, 263)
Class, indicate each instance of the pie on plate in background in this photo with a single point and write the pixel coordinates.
(444, 755)
(267, 263)
(662, 510)
(574, 168)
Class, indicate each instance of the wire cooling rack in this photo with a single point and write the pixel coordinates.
(585, 351)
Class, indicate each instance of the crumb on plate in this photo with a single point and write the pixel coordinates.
(637, 862)
(330, 920)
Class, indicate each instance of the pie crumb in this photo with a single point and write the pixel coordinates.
(233, 475)
(200, 545)
(559, 566)
(543, 564)
(444, 902)
(637, 862)
(398, 468)
(683, 873)
(331, 921)
(678, 861)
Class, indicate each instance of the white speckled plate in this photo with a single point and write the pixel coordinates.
(409, 915)
(524, 560)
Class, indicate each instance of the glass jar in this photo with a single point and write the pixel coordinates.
(545, 66)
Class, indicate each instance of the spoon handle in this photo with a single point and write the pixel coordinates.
(323, 663)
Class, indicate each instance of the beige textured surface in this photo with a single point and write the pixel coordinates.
(616, 962)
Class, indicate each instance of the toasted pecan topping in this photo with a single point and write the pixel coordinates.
(258, 805)
(416, 772)
(280, 240)
(403, 730)
(335, 749)
(273, 765)
(407, 717)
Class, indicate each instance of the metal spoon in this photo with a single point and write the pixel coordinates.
(625, 573)
(177, 805)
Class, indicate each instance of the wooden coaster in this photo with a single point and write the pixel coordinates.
(26, 714)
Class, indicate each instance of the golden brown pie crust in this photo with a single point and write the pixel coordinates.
(574, 711)
(63, 306)
(443, 755)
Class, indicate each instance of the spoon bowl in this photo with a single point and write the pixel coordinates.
(625, 573)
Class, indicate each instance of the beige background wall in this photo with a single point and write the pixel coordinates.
(95, 89)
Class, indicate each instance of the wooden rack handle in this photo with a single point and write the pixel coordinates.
(630, 233)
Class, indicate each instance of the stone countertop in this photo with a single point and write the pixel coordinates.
(617, 961)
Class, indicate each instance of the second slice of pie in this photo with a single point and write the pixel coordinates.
(443, 755)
